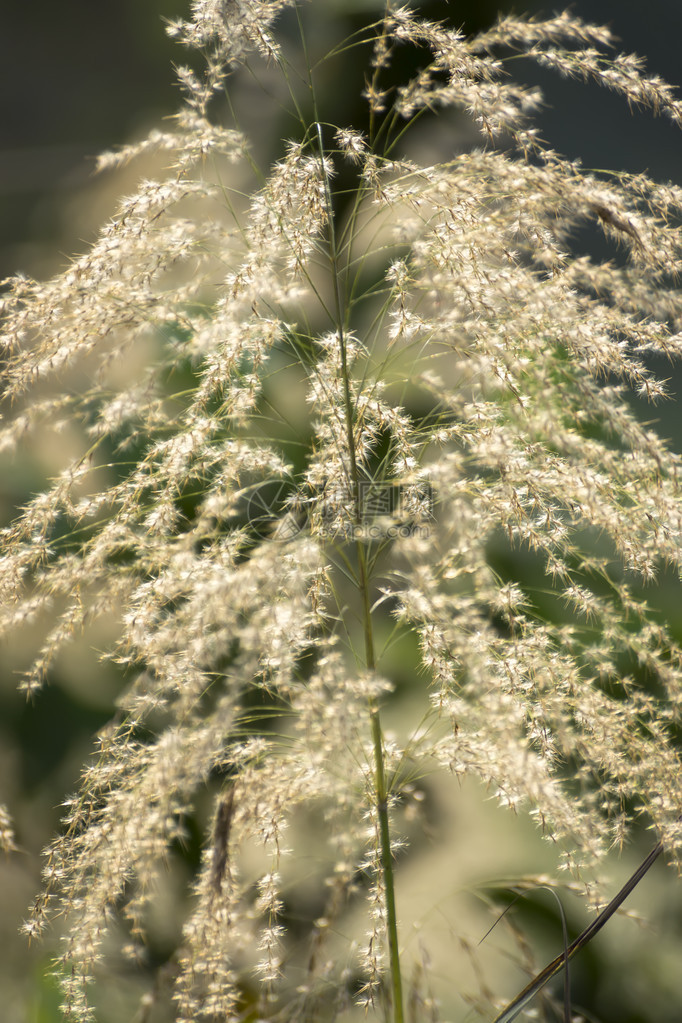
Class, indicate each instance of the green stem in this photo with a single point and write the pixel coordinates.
(381, 792)
(380, 785)
(381, 789)
(387, 864)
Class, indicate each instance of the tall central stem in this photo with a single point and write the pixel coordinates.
(380, 783)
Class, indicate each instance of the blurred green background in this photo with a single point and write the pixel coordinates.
(79, 77)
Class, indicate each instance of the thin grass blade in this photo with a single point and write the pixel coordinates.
(552, 969)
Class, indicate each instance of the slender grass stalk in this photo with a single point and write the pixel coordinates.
(560, 962)
(364, 583)
(381, 790)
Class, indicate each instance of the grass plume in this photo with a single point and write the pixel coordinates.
(310, 406)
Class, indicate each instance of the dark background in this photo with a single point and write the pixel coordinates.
(81, 76)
